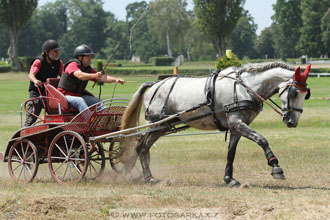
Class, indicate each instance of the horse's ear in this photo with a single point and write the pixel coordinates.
(307, 70)
(297, 76)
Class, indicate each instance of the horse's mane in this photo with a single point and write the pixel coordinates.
(261, 67)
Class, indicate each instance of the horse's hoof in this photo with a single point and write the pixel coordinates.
(277, 173)
(234, 184)
(227, 179)
(152, 180)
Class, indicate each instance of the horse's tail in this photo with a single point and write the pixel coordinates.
(131, 114)
(130, 119)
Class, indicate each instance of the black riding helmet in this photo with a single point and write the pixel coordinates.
(50, 45)
(82, 50)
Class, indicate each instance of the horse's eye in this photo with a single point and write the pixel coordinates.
(292, 92)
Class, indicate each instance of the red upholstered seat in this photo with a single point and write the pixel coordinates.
(56, 97)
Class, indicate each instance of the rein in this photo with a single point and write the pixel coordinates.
(239, 80)
(261, 98)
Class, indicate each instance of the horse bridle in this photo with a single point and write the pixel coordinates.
(293, 88)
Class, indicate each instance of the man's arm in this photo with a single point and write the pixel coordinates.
(35, 67)
(87, 76)
(110, 79)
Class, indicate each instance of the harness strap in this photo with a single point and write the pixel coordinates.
(153, 95)
(210, 96)
(168, 95)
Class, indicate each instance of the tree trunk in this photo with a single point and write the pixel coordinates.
(188, 54)
(13, 53)
(169, 46)
(219, 45)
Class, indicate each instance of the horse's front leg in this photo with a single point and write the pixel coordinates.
(245, 131)
(144, 154)
(228, 178)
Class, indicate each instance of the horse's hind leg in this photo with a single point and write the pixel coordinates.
(143, 151)
(244, 130)
(228, 178)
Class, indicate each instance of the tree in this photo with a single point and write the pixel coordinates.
(217, 19)
(325, 27)
(310, 41)
(87, 22)
(168, 22)
(287, 22)
(14, 14)
(48, 22)
(141, 42)
(4, 41)
(265, 44)
(243, 39)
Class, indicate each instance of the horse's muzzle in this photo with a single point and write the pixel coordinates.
(290, 119)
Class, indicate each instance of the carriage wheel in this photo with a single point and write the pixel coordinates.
(23, 161)
(114, 155)
(96, 162)
(68, 157)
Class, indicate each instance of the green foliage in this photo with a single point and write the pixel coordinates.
(48, 22)
(5, 68)
(14, 14)
(4, 41)
(99, 65)
(310, 41)
(142, 43)
(265, 44)
(243, 39)
(325, 27)
(162, 61)
(217, 19)
(224, 62)
(164, 25)
(26, 62)
(286, 27)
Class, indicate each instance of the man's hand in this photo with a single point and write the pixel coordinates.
(38, 83)
(119, 80)
(98, 76)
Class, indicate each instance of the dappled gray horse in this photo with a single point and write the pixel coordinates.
(229, 101)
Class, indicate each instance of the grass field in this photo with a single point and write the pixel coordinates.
(191, 169)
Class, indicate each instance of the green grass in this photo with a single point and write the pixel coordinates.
(191, 168)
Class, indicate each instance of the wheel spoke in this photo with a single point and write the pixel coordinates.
(22, 149)
(28, 169)
(71, 177)
(66, 144)
(76, 151)
(63, 158)
(18, 155)
(26, 151)
(96, 162)
(24, 172)
(71, 145)
(29, 156)
(66, 169)
(20, 173)
(60, 150)
(20, 164)
(77, 159)
(58, 167)
(77, 168)
(15, 160)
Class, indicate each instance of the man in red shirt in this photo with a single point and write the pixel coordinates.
(75, 78)
(47, 65)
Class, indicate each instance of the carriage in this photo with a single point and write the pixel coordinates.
(228, 100)
(62, 139)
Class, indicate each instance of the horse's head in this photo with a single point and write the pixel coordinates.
(292, 95)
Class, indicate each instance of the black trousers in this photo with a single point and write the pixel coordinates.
(38, 106)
